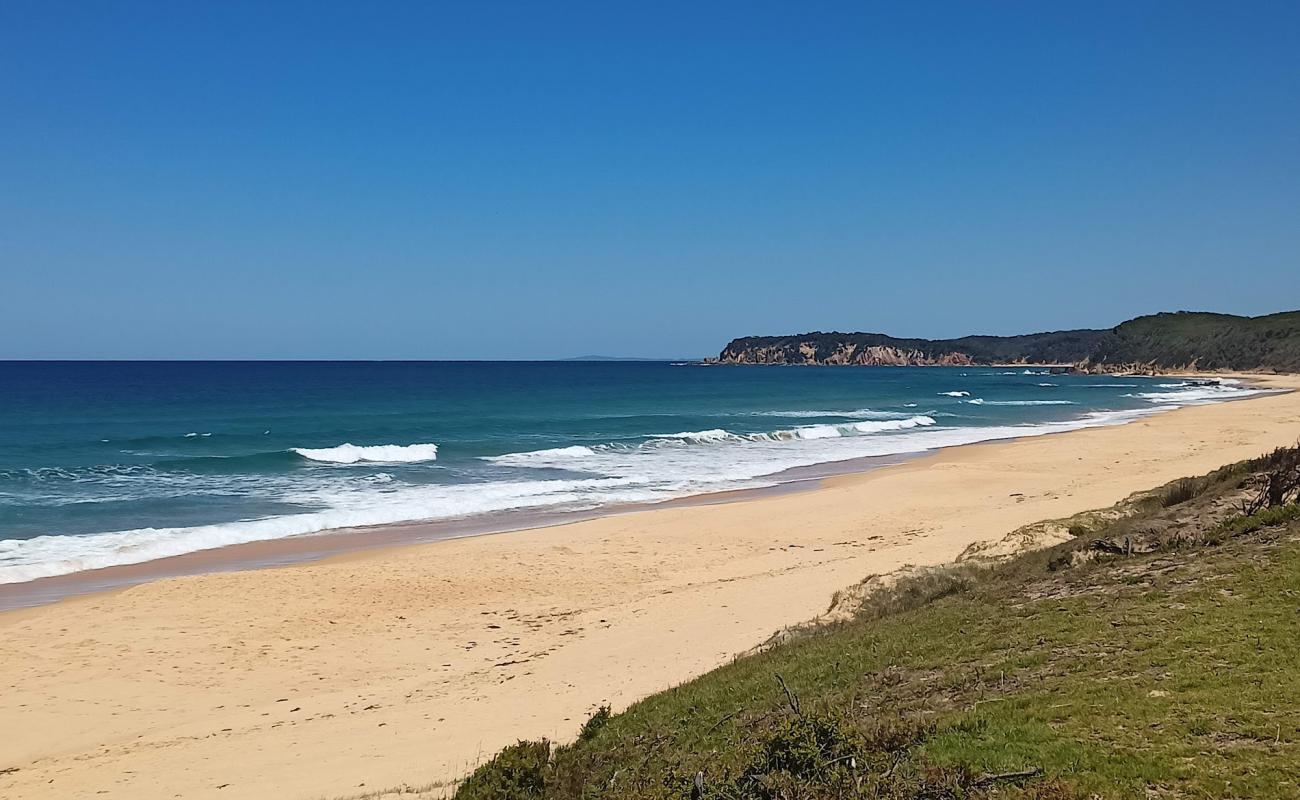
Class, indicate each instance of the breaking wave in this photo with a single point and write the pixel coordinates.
(542, 455)
(955, 394)
(1198, 394)
(382, 453)
(699, 437)
(805, 432)
(981, 402)
(861, 413)
(559, 456)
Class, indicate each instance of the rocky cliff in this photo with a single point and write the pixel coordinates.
(844, 353)
(873, 349)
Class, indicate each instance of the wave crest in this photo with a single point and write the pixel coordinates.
(804, 432)
(861, 413)
(699, 437)
(978, 401)
(530, 457)
(1197, 394)
(383, 453)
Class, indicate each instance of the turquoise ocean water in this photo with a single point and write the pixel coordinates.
(108, 463)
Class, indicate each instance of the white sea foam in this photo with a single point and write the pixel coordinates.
(746, 460)
(919, 421)
(955, 394)
(532, 457)
(698, 437)
(857, 428)
(44, 556)
(805, 432)
(551, 457)
(1198, 394)
(383, 453)
(980, 402)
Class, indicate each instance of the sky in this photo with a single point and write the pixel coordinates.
(543, 180)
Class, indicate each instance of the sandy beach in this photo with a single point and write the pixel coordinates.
(406, 666)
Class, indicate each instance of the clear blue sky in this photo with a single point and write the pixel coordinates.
(525, 180)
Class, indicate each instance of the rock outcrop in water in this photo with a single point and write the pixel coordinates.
(1184, 340)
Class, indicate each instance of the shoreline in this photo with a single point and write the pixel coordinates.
(314, 547)
(408, 665)
(308, 548)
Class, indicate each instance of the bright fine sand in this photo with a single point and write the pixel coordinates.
(408, 665)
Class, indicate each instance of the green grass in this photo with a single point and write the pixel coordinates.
(1173, 673)
(1269, 516)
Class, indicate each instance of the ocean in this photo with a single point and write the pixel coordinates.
(111, 463)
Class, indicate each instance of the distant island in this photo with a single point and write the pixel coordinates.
(1182, 340)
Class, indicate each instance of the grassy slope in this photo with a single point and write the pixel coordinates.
(1208, 341)
(1172, 673)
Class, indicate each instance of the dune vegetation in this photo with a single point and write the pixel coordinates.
(1152, 654)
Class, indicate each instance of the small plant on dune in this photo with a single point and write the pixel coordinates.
(1180, 491)
(1279, 484)
(804, 750)
(805, 746)
(594, 723)
(1276, 515)
(918, 590)
(516, 773)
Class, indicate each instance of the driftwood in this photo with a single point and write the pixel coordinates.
(1114, 548)
(985, 780)
(1279, 485)
(790, 696)
(718, 724)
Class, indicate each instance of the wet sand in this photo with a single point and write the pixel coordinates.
(409, 664)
